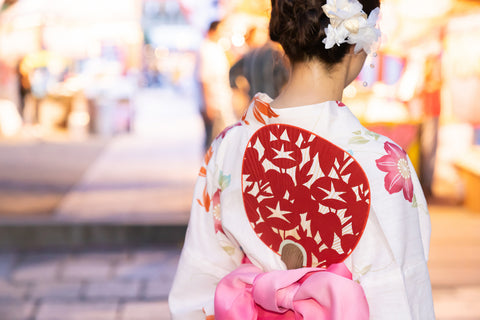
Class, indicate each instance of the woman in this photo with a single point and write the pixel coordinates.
(299, 211)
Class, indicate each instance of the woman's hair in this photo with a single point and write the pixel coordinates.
(299, 27)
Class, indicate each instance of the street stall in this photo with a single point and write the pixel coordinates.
(422, 88)
(79, 51)
(398, 93)
(462, 93)
(171, 42)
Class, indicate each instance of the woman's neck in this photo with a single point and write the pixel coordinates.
(311, 83)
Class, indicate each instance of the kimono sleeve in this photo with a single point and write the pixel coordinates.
(420, 203)
(416, 275)
(204, 259)
(391, 262)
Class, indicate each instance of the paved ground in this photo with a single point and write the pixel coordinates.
(94, 285)
(35, 175)
(128, 284)
(455, 262)
(143, 177)
(147, 178)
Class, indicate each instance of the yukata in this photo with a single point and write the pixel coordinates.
(312, 177)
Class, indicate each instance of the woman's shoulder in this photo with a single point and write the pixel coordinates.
(360, 138)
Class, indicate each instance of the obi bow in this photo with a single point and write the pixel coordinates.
(300, 294)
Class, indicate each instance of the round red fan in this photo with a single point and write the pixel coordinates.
(300, 189)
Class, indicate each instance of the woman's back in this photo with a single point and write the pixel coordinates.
(298, 182)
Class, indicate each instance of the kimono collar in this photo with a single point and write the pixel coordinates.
(261, 113)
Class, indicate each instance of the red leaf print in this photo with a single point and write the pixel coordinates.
(281, 183)
(266, 231)
(303, 200)
(244, 117)
(326, 225)
(206, 200)
(208, 156)
(261, 108)
(206, 160)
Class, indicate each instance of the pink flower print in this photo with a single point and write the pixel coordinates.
(340, 104)
(398, 176)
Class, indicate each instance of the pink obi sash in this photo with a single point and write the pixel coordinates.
(300, 294)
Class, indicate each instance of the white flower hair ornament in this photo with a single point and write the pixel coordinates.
(350, 24)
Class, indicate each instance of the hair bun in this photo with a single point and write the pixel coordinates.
(299, 26)
(308, 25)
(296, 25)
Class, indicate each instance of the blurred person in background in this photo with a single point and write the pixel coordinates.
(23, 86)
(420, 87)
(35, 75)
(40, 71)
(215, 93)
(294, 217)
(431, 96)
(262, 69)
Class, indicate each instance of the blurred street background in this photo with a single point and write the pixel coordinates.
(102, 134)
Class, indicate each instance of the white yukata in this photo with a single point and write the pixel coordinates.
(314, 177)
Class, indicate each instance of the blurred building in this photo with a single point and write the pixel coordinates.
(91, 47)
(421, 90)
